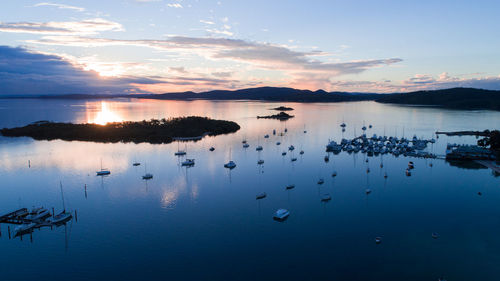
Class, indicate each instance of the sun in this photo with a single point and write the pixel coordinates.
(105, 115)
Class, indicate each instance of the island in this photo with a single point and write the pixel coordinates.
(282, 116)
(153, 131)
(282, 108)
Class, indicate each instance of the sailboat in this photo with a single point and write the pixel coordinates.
(180, 152)
(230, 164)
(62, 217)
(103, 171)
(147, 176)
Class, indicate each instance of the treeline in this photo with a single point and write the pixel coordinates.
(151, 131)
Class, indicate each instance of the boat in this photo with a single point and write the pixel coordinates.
(290, 186)
(24, 228)
(301, 152)
(408, 173)
(278, 143)
(334, 147)
(368, 191)
(261, 196)
(293, 159)
(367, 170)
(212, 148)
(147, 176)
(326, 197)
(385, 175)
(291, 148)
(260, 162)
(281, 214)
(378, 240)
(259, 148)
(179, 152)
(188, 162)
(321, 181)
(60, 218)
(334, 174)
(327, 158)
(135, 164)
(274, 131)
(246, 145)
(103, 171)
(283, 153)
(286, 130)
(230, 165)
(266, 136)
(39, 214)
(435, 235)
(411, 165)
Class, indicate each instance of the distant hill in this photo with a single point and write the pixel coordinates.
(458, 98)
(267, 94)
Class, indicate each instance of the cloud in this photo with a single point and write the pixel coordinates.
(261, 55)
(222, 74)
(60, 6)
(207, 22)
(174, 5)
(178, 69)
(85, 27)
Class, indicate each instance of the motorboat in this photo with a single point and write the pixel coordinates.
(281, 214)
(188, 162)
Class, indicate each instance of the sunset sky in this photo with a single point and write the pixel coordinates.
(157, 46)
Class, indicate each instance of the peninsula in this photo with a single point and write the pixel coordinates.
(152, 131)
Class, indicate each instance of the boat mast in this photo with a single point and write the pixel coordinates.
(62, 196)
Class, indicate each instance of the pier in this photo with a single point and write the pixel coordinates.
(489, 164)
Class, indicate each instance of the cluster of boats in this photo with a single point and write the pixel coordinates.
(377, 145)
(38, 217)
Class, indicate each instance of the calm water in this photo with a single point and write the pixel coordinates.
(203, 223)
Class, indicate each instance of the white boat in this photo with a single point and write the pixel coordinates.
(188, 162)
(259, 148)
(281, 214)
(230, 165)
(378, 240)
(23, 228)
(60, 218)
(147, 176)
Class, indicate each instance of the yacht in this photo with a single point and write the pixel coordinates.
(293, 159)
(246, 145)
(180, 153)
(103, 172)
(291, 148)
(266, 136)
(260, 162)
(301, 152)
(147, 176)
(327, 158)
(136, 164)
(212, 148)
(290, 186)
(334, 174)
(321, 181)
(334, 147)
(259, 148)
(283, 153)
(281, 214)
(188, 162)
(378, 240)
(39, 214)
(278, 143)
(411, 165)
(368, 191)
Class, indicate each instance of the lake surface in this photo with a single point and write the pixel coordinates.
(204, 223)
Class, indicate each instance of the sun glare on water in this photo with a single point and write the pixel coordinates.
(106, 115)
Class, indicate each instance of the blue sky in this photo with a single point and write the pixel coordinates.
(171, 45)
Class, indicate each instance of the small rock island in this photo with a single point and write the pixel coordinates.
(282, 108)
(153, 131)
(282, 116)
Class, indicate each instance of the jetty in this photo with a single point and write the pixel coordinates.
(489, 164)
(465, 133)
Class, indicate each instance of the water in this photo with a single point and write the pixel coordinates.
(203, 223)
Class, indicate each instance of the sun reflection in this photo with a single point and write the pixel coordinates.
(105, 116)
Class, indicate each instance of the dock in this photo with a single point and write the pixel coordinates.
(465, 133)
(489, 164)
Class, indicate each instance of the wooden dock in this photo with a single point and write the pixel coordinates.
(489, 164)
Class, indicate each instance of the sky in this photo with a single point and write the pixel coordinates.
(158, 46)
